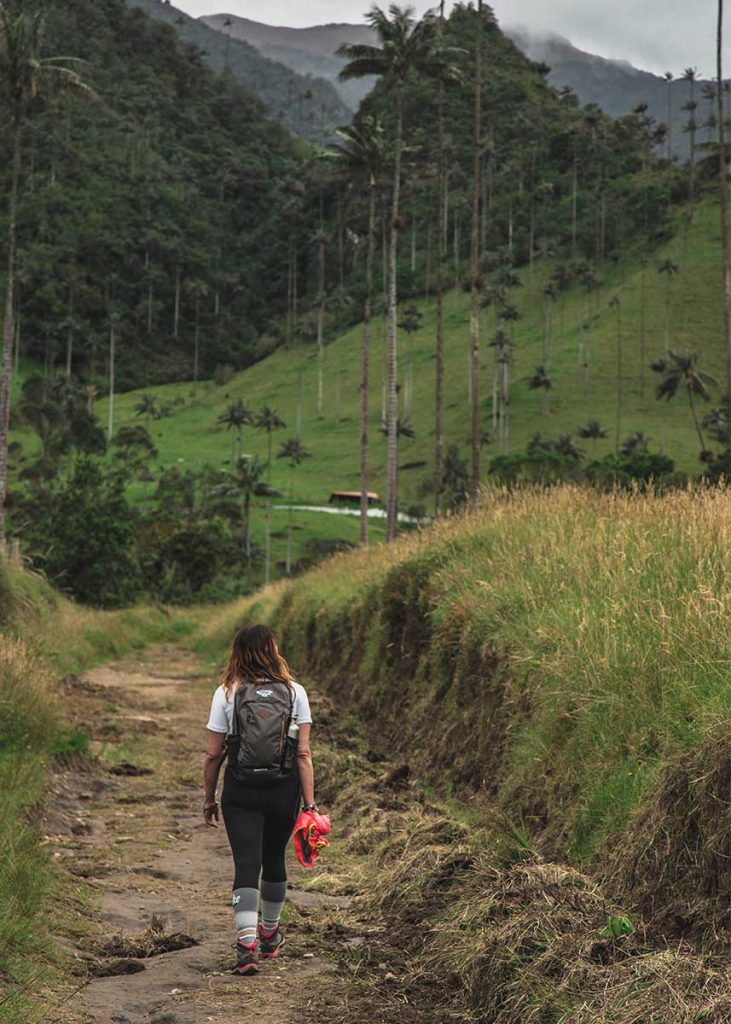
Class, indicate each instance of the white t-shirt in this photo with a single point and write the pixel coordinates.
(222, 710)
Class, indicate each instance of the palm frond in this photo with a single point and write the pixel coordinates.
(361, 68)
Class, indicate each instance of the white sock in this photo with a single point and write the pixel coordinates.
(245, 903)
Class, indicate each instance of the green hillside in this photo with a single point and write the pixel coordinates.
(191, 437)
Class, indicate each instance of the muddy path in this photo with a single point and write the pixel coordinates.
(154, 945)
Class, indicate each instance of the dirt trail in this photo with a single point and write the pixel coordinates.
(159, 876)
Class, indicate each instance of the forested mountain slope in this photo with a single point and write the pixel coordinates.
(305, 101)
(152, 212)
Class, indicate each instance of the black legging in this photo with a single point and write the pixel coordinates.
(259, 823)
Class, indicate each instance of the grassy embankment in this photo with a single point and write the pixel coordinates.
(43, 636)
(566, 654)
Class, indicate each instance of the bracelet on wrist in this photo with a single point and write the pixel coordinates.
(309, 807)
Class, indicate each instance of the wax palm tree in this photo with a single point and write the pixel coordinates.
(680, 371)
(615, 304)
(361, 155)
(295, 453)
(593, 431)
(708, 91)
(197, 290)
(668, 76)
(636, 442)
(723, 195)
(147, 406)
(24, 75)
(269, 421)
(410, 321)
(474, 318)
(670, 268)
(250, 472)
(235, 418)
(540, 381)
(689, 75)
(406, 46)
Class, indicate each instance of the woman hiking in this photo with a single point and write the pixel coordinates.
(260, 717)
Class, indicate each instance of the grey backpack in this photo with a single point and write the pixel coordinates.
(259, 748)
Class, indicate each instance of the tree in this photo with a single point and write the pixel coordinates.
(147, 406)
(295, 453)
(269, 421)
(670, 268)
(410, 321)
(540, 381)
(723, 195)
(82, 534)
(249, 475)
(615, 304)
(475, 430)
(636, 442)
(689, 75)
(24, 76)
(406, 46)
(680, 371)
(236, 417)
(361, 155)
(593, 431)
(197, 290)
(669, 79)
(439, 474)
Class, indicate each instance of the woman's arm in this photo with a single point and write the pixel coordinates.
(304, 765)
(211, 767)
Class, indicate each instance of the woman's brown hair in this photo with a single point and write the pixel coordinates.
(254, 656)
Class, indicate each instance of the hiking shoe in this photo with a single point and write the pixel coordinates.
(270, 944)
(246, 962)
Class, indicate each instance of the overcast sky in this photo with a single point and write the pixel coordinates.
(659, 35)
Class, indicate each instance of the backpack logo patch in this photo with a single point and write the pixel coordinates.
(264, 693)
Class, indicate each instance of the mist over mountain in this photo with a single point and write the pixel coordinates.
(309, 51)
(306, 102)
(614, 85)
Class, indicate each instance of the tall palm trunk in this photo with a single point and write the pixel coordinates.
(112, 356)
(723, 195)
(70, 333)
(365, 354)
(475, 270)
(696, 422)
(320, 313)
(267, 515)
(247, 521)
(176, 302)
(392, 354)
(8, 322)
(288, 563)
(197, 341)
(441, 256)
